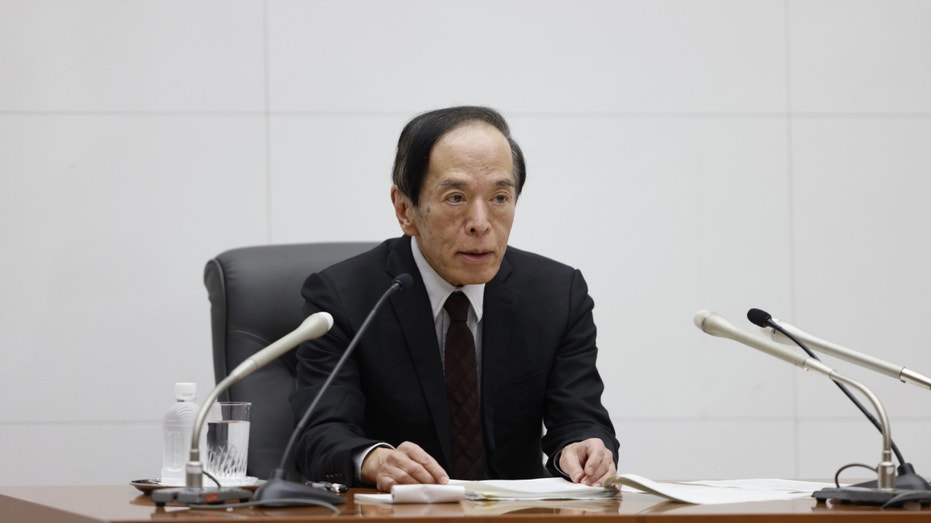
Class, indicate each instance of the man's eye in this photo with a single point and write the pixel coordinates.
(501, 198)
(456, 198)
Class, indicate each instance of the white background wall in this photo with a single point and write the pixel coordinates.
(720, 154)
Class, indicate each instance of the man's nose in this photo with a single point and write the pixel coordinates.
(478, 218)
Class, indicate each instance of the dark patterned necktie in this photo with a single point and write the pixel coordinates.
(462, 392)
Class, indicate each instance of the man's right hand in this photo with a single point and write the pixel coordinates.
(409, 463)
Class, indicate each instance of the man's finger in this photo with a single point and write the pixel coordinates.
(571, 463)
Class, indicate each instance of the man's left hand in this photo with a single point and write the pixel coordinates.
(588, 462)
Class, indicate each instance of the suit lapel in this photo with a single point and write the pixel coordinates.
(414, 315)
(500, 309)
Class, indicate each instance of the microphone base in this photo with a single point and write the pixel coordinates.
(885, 498)
(906, 479)
(909, 488)
(277, 492)
(199, 495)
(856, 495)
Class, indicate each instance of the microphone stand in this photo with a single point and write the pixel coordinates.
(194, 492)
(715, 325)
(278, 491)
(907, 478)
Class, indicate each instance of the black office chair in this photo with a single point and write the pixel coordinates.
(255, 298)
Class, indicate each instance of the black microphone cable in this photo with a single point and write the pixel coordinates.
(912, 481)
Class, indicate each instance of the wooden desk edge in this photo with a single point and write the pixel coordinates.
(124, 504)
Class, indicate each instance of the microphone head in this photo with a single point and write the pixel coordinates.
(404, 281)
(714, 324)
(700, 318)
(314, 326)
(758, 317)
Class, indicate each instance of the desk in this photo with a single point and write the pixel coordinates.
(124, 504)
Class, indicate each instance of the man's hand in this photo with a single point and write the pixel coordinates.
(409, 463)
(588, 462)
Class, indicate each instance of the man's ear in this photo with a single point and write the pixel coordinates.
(404, 210)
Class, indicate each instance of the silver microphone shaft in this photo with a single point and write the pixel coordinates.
(857, 358)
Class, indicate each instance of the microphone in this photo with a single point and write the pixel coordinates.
(907, 479)
(313, 326)
(764, 320)
(715, 325)
(280, 492)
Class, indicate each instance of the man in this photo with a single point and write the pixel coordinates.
(388, 417)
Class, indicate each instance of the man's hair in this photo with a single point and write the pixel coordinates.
(421, 134)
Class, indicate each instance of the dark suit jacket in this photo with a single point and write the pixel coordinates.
(538, 366)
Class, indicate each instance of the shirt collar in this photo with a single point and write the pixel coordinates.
(439, 289)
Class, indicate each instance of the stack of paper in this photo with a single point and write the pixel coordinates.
(532, 489)
(491, 490)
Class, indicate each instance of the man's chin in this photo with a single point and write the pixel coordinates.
(475, 276)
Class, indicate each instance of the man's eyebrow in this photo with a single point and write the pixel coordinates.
(457, 183)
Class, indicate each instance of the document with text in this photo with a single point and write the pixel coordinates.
(491, 490)
(709, 492)
(531, 489)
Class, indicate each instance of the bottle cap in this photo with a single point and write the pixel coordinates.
(185, 391)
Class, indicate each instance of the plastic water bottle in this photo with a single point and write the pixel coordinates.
(177, 426)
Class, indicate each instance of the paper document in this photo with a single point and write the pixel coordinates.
(531, 489)
(491, 490)
(710, 492)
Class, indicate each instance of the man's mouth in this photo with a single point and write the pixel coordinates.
(475, 256)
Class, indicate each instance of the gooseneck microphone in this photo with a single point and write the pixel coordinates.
(907, 478)
(715, 325)
(313, 326)
(783, 331)
(278, 491)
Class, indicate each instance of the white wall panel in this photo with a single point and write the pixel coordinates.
(708, 449)
(82, 453)
(860, 56)
(108, 55)
(108, 222)
(593, 56)
(331, 177)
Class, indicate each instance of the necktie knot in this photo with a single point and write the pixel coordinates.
(457, 305)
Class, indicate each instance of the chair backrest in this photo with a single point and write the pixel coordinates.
(255, 299)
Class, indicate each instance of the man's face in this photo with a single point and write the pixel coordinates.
(466, 204)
